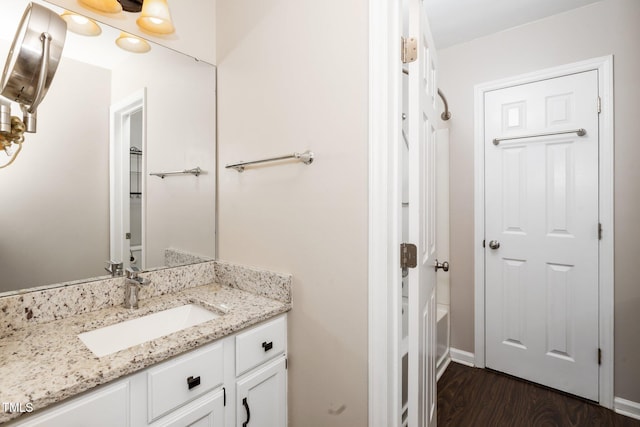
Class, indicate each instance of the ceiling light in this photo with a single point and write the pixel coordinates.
(155, 17)
(132, 43)
(131, 5)
(81, 25)
(108, 6)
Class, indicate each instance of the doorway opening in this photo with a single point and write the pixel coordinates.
(127, 181)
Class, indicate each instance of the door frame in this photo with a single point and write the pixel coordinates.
(384, 217)
(119, 140)
(604, 66)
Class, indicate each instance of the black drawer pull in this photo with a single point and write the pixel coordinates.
(193, 382)
(246, 408)
(267, 345)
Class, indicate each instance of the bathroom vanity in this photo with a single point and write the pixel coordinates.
(226, 371)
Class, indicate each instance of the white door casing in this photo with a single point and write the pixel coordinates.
(541, 208)
(422, 119)
(384, 221)
(559, 344)
(119, 175)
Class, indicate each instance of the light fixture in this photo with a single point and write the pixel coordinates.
(132, 43)
(108, 6)
(155, 17)
(81, 25)
(131, 5)
(31, 64)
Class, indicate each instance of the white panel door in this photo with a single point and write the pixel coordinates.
(541, 210)
(422, 223)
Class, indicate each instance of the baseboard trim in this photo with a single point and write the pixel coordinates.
(626, 407)
(463, 357)
(444, 364)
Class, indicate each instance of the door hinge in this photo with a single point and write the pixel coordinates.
(409, 49)
(599, 231)
(484, 244)
(599, 356)
(224, 396)
(599, 105)
(408, 255)
(286, 363)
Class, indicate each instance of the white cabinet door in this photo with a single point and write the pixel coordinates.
(207, 411)
(262, 396)
(106, 407)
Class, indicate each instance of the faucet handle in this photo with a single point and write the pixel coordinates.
(132, 272)
(114, 268)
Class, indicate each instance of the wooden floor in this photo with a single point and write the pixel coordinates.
(469, 397)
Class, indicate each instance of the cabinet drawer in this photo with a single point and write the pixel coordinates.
(206, 411)
(179, 381)
(260, 344)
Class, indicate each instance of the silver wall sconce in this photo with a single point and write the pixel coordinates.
(31, 64)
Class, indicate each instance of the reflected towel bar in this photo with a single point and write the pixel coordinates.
(195, 171)
(579, 132)
(306, 158)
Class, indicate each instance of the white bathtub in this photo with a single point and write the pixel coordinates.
(442, 333)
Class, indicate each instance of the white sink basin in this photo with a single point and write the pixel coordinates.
(111, 339)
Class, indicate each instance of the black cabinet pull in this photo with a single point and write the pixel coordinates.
(193, 382)
(246, 408)
(267, 345)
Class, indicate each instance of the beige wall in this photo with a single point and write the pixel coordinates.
(607, 27)
(293, 76)
(180, 134)
(55, 197)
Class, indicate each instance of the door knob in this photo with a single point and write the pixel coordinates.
(444, 265)
(494, 244)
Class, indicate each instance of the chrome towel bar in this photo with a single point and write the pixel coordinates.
(306, 158)
(195, 171)
(579, 132)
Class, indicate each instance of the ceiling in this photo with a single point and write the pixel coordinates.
(458, 21)
(452, 21)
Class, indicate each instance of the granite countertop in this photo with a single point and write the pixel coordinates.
(46, 363)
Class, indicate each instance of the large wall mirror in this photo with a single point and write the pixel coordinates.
(81, 192)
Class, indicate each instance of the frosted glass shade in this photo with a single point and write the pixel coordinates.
(132, 43)
(155, 17)
(81, 25)
(108, 6)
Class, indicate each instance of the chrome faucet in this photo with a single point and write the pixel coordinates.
(132, 287)
(114, 268)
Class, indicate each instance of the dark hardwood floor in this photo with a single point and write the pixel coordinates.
(470, 397)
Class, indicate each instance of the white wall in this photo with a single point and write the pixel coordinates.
(606, 27)
(292, 75)
(55, 197)
(180, 134)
